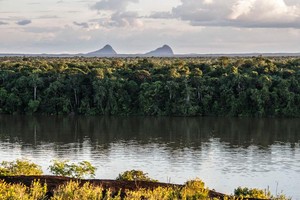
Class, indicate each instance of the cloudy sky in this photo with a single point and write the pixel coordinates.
(137, 26)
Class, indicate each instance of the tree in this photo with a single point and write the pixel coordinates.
(80, 170)
(134, 175)
(35, 81)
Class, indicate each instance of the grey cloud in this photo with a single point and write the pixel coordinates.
(83, 25)
(122, 19)
(161, 15)
(113, 5)
(237, 13)
(48, 17)
(198, 12)
(3, 23)
(23, 22)
(119, 19)
(125, 18)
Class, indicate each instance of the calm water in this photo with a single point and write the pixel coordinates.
(224, 152)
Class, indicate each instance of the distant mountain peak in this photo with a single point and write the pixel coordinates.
(165, 50)
(107, 47)
(106, 50)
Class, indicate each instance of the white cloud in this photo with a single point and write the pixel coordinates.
(85, 37)
(240, 13)
(265, 11)
(208, 1)
(40, 30)
(113, 5)
(197, 26)
(241, 7)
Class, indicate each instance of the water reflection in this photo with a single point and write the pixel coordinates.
(224, 152)
(175, 132)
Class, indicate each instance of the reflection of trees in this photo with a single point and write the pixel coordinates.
(175, 133)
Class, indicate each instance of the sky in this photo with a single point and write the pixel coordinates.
(139, 26)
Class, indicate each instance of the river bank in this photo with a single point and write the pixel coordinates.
(116, 188)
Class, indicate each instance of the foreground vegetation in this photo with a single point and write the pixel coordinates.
(75, 190)
(135, 86)
(87, 191)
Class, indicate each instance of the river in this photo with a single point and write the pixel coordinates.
(224, 152)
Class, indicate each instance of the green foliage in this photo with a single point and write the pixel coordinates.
(74, 191)
(134, 175)
(194, 189)
(252, 193)
(257, 194)
(80, 170)
(258, 86)
(19, 167)
(157, 193)
(33, 106)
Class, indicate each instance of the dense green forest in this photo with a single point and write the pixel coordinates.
(257, 86)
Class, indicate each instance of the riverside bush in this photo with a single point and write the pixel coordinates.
(192, 190)
(19, 167)
(80, 170)
(73, 190)
(245, 192)
(252, 193)
(134, 175)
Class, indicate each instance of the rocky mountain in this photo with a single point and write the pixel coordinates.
(161, 51)
(107, 50)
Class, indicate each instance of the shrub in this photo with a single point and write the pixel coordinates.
(19, 167)
(19, 191)
(252, 193)
(194, 189)
(73, 191)
(257, 194)
(63, 168)
(134, 175)
(157, 193)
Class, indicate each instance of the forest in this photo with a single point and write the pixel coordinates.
(223, 86)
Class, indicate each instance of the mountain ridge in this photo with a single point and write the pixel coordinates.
(164, 51)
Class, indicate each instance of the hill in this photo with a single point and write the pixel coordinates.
(163, 51)
(107, 50)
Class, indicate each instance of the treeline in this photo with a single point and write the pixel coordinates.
(223, 86)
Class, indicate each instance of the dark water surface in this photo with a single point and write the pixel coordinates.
(224, 152)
